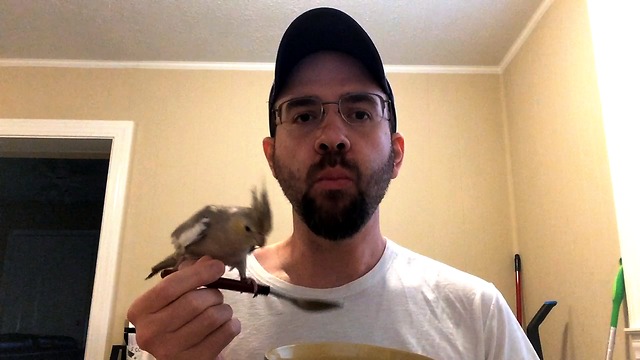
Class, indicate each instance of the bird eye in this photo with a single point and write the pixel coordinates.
(247, 228)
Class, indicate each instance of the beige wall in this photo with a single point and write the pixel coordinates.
(566, 227)
(451, 200)
(197, 141)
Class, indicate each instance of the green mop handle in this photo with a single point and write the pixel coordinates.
(618, 296)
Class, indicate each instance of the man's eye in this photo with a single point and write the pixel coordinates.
(359, 116)
(302, 118)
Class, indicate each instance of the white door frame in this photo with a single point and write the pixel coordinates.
(121, 135)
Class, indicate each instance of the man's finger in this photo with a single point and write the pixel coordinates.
(204, 271)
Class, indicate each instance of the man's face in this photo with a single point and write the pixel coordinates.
(336, 175)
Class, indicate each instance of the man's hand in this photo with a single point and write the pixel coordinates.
(178, 319)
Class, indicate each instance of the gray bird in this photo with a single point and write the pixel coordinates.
(226, 233)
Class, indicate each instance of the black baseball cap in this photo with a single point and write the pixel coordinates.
(326, 29)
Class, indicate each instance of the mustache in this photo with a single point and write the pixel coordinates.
(332, 159)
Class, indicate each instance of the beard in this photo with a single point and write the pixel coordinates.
(335, 214)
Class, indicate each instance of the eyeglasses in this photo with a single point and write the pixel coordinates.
(358, 109)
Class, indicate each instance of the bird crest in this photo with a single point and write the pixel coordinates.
(261, 211)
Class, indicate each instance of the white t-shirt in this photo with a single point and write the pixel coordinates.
(407, 301)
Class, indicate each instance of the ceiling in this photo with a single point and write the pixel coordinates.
(407, 32)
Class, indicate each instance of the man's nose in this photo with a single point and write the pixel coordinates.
(332, 132)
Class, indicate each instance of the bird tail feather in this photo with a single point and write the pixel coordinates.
(168, 262)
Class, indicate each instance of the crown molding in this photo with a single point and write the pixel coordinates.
(441, 69)
(163, 65)
(524, 35)
(237, 66)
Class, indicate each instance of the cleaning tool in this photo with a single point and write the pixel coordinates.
(519, 315)
(618, 296)
(533, 333)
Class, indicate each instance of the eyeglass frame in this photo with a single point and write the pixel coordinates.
(387, 105)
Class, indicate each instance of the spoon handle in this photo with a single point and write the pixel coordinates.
(243, 286)
(252, 287)
(240, 286)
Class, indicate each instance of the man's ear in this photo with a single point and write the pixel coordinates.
(269, 148)
(397, 143)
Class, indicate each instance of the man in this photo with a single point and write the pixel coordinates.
(334, 149)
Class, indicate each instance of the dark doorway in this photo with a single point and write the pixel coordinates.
(50, 219)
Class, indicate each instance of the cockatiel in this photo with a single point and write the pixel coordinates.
(226, 233)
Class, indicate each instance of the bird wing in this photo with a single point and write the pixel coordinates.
(193, 229)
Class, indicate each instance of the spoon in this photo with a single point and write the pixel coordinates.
(256, 289)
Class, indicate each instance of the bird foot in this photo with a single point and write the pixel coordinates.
(166, 272)
(254, 283)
